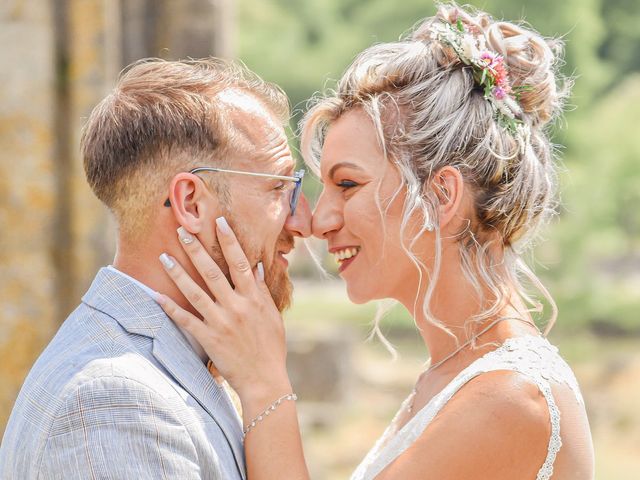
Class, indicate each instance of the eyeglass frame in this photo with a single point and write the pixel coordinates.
(296, 178)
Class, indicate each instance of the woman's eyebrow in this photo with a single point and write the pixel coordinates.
(333, 169)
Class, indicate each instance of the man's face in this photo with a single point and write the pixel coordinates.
(258, 210)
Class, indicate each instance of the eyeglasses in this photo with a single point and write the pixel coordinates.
(296, 178)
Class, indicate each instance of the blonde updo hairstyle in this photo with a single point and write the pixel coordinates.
(429, 113)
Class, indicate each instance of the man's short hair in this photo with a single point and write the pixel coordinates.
(162, 118)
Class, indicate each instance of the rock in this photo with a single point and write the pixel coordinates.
(320, 365)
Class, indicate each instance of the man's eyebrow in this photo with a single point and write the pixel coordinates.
(287, 170)
(333, 169)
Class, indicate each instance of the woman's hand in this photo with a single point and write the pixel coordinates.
(242, 330)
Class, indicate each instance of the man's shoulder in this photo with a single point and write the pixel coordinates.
(88, 398)
(91, 352)
(88, 344)
(116, 391)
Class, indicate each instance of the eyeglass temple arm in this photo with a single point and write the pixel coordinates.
(297, 178)
(253, 174)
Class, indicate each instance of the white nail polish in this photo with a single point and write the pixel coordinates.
(184, 236)
(261, 270)
(167, 261)
(223, 225)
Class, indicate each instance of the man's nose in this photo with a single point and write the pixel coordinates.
(299, 224)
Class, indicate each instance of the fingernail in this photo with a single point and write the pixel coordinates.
(223, 225)
(184, 236)
(260, 270)
(158, 297)
(167, 261)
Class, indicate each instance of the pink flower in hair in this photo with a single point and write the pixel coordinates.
(500, 72)
(499, 93)
(494, 64)
(488, 58)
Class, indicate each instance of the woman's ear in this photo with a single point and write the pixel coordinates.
(187, 195)
(448, 185)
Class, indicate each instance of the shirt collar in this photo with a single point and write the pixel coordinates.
(152, 293)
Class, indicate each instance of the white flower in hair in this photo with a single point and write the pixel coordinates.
(469, 48)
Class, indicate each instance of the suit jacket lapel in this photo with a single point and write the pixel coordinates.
(177, 356)
(139, 314)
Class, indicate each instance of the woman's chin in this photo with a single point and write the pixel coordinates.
(357, 295)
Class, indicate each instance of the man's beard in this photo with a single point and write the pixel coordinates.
(276, 275)
(279, 284)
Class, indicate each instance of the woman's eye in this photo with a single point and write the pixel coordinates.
(345, 184)
(281, 186)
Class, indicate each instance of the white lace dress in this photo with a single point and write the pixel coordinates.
(532, 356)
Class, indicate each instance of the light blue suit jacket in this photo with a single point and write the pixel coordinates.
(120, 394)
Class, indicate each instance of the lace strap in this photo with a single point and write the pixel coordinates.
(555, 442)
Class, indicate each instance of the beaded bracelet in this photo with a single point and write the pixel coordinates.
(267, 412)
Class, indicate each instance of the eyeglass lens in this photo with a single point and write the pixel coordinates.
(295, 195)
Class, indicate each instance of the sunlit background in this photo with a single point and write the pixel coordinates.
(60, 57)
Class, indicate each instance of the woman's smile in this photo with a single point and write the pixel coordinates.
(344, 256)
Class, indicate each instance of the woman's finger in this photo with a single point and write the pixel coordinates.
(239, 266)
(190, 289)
(186, 320)
(207, 267)
(258, 273)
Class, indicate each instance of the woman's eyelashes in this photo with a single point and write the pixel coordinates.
(347, 184)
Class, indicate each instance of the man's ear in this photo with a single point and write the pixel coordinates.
(448, 186)
(188, 196)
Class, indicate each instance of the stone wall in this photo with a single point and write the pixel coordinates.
(59, 58)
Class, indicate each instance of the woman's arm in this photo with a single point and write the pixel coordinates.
(243, 333)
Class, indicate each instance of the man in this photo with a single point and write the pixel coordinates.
(120, 392)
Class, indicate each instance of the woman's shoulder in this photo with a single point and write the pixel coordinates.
(513, 385)
(503, 400)
(518, 388)
(499, 418)
(496, 426)
(513, 416)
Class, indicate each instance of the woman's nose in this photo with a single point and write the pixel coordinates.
(326, 218)
(299, 224)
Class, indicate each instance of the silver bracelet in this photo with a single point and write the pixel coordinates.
(267, 412)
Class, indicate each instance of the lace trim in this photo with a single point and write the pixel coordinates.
(532, 356)
(555, 442)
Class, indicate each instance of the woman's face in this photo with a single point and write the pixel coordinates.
(358, 215)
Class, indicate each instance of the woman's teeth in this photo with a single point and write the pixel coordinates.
(342, 255)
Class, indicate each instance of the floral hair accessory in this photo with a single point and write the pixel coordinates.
(489, 72)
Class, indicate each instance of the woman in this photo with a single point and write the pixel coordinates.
(437, 172)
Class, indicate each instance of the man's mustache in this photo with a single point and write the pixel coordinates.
(285, 243)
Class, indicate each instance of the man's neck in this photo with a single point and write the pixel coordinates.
(147, 269)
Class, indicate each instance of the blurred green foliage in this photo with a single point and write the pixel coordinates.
(591, 255)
